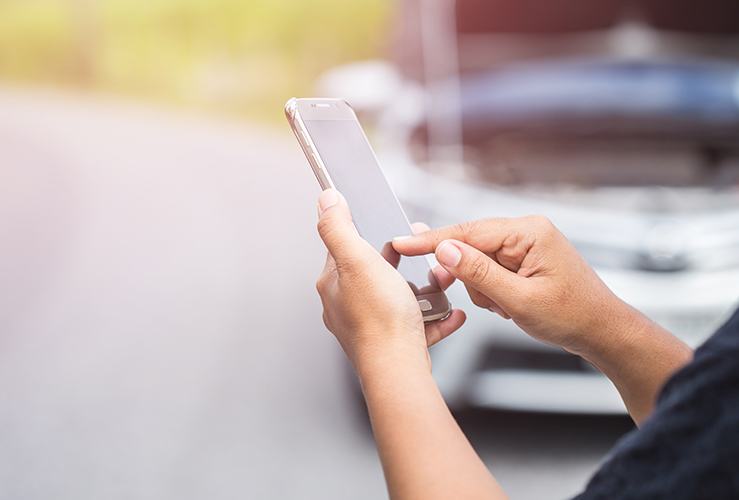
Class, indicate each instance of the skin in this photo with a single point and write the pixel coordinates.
(522, 269)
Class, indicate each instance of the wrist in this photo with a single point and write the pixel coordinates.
(612, 329)
(626, 334)
(396, 372)
(391, 355)
(638, 356)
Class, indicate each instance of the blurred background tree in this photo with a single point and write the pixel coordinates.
(236, 56)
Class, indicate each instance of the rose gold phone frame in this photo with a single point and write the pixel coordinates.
(298, 110)
(295, 117)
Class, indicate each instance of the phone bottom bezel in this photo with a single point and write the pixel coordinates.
(438, 301)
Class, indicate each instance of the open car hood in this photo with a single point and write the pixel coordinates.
(697, 100)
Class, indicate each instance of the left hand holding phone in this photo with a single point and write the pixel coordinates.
(367, 304)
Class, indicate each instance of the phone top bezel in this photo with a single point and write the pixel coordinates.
(294, 112)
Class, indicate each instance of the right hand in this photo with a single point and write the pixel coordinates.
(525, 269)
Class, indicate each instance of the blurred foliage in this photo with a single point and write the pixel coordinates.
(242, 56)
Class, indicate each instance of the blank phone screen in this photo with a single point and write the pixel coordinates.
(377, 214)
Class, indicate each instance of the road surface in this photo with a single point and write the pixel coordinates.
(160, 335)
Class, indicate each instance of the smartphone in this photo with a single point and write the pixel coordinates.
(341, 158)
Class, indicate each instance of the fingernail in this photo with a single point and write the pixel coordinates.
(326, 200)
(448, 254)
(401, 238)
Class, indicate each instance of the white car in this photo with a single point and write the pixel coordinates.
(634, 155)
(678, 262)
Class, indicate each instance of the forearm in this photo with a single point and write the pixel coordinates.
(638, 356)
(423, 451)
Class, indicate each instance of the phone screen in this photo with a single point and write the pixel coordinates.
(377, 214)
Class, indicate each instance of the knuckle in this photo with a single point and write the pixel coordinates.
(475, 231)
(456, 231)
(543, 224)
(459, 228)
(540, 226)
(469, 229)
(323, 282)
(479, 270)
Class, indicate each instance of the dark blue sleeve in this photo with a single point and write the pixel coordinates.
(689, 447)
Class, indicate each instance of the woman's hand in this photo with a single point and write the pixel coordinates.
(373, 313)
(525, 269)
(367, 304)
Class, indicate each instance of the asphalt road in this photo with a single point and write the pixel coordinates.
(160, 337)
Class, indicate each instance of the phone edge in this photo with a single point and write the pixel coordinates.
(306, 144)
(324, 179)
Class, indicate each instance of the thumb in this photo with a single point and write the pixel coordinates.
(336, 227)
(479, 271)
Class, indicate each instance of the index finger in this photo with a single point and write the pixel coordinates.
(485, 234)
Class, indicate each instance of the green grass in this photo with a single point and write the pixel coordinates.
(236, 56)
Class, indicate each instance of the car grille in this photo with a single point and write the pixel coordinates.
(509, 358)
